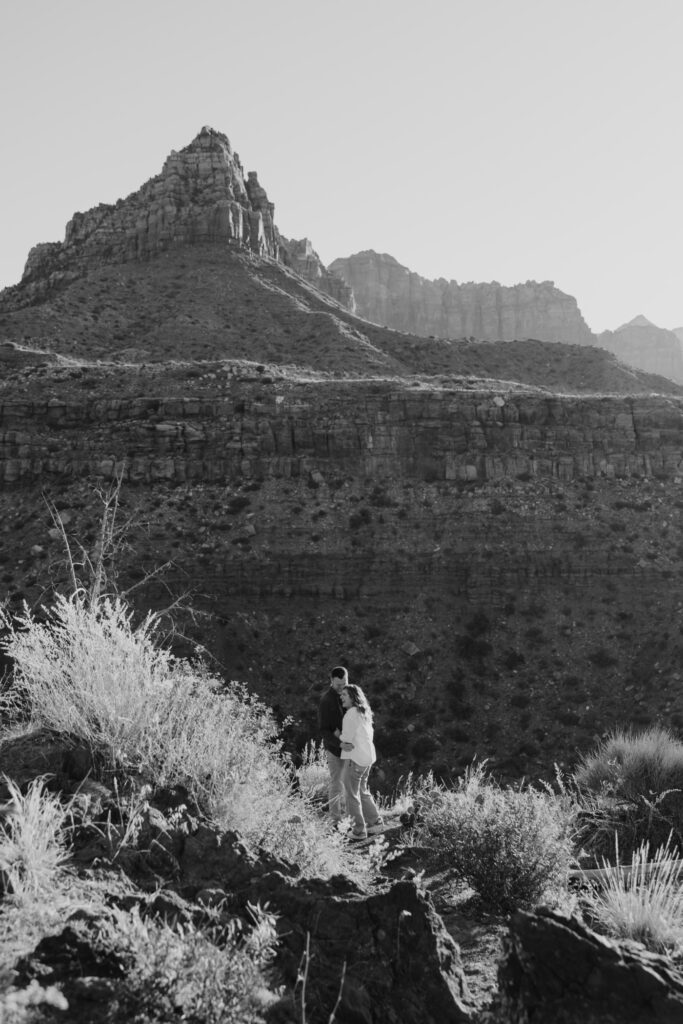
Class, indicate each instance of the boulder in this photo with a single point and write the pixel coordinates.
(556, 969)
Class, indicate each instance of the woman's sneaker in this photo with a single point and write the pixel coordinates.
(378, 826)
(358, 837)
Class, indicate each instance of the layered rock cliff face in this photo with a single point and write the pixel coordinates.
(500, 562)
(372, 430)
(388, 293)
(300, 255)
(201, 195)
(642, 344)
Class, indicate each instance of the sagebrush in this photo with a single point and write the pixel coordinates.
(512, 845)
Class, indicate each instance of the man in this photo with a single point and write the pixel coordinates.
(330, 715)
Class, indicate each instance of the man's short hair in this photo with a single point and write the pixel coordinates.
(339, 672)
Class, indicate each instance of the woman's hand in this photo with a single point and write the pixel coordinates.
(346, 746)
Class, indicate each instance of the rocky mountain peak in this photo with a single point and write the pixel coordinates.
(638, 321)
(201, 195)
(642, 344)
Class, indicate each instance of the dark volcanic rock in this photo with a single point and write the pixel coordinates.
(556, 969)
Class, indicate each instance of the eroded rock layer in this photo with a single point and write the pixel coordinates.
(373, 430)
(388, 293)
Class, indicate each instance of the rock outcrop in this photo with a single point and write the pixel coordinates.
(202, 194)
(379, 431)
(642, 344)
(376, 958)
(300, 255)
(557, 969)
(388, 293)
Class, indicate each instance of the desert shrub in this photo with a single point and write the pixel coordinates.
(180, 973)
(424, 747)
(33, 844)
(602, 658)
(393, 741)
(20, 1005)
(520, 700)
(644, 903)
(360, 518)
(513, 659)
(631, 789)
(472, 648)
(534, 610)
(89, 673)
(478, 624)
(457, 733)
(239, 502)
(313, 773)
(513, 846)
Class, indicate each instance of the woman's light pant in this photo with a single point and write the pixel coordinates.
(359, 802)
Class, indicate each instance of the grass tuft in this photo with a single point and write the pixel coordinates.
(643, 903)
(33, 845)
(631, 788)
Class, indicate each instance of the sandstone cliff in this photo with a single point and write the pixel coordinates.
(300, 255)
(642, 344)
(201, 195)
(377, 430)
(388, 293)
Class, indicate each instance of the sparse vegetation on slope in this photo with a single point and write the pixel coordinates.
(88, 672)
(513, 845)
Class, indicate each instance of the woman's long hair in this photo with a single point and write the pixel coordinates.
(359, 700)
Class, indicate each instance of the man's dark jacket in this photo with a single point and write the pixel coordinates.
(330, 714)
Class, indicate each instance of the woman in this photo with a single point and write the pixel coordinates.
(358, 754)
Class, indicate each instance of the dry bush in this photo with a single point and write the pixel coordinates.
(313, 773)
(512, 845)
(90, 673)
(216, 975)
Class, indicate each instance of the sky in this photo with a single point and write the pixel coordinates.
(475, 140)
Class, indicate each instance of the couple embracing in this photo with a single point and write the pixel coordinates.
(345, 722)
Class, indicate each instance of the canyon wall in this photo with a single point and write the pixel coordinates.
(381, 431)
(300, 255)
(642, 344)
(388, 293)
